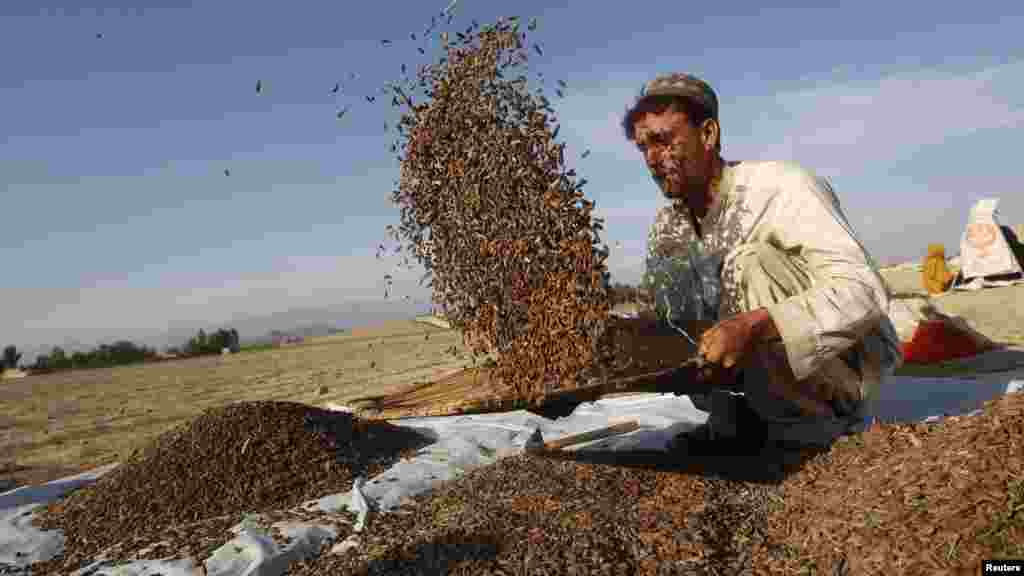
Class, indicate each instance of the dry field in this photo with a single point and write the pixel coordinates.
(995, 312)
(55, 424)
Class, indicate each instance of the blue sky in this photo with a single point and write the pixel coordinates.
(117, 217)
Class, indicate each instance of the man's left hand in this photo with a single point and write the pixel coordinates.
(731, 341)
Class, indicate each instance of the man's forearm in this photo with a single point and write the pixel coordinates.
(765, 331)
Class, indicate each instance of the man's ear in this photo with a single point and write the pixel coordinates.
(709, 134)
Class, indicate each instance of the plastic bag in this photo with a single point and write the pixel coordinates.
(359, 504)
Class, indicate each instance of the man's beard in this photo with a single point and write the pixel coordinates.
(689, 189)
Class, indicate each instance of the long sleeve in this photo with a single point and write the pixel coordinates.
(848, 298)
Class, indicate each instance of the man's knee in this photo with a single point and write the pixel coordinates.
(750, 261)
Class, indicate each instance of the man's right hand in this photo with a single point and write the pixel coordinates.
(712, 375)
(701, 380)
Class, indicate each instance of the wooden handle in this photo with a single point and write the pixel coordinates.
(678, 380)
(614, 430)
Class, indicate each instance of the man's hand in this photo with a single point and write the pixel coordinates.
(715, 376)
(730, 342)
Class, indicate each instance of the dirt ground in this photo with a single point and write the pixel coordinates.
(54, 425)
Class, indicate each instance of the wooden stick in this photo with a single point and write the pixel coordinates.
(679, 380)
(613, 430)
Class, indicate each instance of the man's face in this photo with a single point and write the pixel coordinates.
(675, 154)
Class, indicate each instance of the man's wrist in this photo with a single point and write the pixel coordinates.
(763, 327)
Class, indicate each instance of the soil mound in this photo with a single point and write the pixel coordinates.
(196, 481)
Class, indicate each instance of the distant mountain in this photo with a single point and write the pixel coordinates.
(252, 328)
(308, 322)
(309, 331)
(317, 330)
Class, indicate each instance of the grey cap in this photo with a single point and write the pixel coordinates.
(685, 85)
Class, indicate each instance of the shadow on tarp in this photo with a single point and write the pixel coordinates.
(910, 399)
(730, 460)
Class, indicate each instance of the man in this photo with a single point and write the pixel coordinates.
(804, 337)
